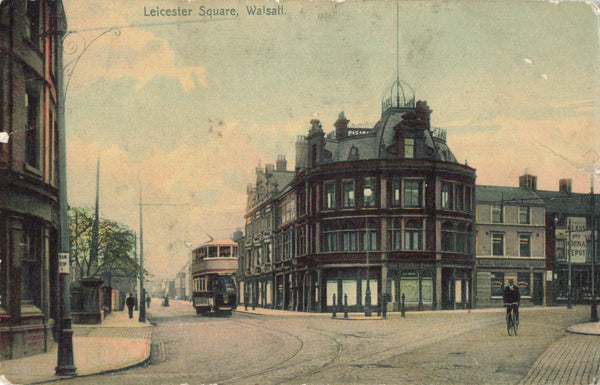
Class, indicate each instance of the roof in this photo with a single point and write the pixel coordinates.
(516, 195)
(571, 203)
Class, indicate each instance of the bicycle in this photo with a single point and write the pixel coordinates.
(512, 318)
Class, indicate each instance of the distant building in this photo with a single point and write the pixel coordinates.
(30, 53)
(381, 212)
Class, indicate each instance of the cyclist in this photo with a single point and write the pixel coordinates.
(512, 296)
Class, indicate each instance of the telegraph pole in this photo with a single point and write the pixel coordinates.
(142, 302)
(593, 310)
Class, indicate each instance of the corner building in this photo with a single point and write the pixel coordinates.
(30, 67)
(385, 211)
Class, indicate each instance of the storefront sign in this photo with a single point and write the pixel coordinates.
(577, 242)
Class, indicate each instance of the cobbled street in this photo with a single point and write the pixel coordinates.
(449, 347)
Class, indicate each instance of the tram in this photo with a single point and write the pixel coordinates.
(213, 285)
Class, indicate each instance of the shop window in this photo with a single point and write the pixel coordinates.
(497, 284)
(28, 246)
(523, 282)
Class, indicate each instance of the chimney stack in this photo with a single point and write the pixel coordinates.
(281, 164)
(528, 181)
(341, 126)
(564, 185)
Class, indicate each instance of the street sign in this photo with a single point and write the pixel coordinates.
(63, 263)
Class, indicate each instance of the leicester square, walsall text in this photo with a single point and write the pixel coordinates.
(210, 12)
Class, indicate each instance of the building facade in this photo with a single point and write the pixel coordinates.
(30, 52)
(368, 214)
(510, 234)
(570, 244)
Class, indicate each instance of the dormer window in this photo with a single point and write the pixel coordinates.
(409, 148)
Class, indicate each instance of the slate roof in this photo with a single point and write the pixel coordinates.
(515, 195)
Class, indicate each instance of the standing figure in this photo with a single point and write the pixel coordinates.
(130, 304)
(148, 301)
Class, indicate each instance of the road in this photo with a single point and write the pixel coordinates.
(423, 348)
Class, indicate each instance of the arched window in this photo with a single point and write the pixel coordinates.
(397, 234)
(447, 236)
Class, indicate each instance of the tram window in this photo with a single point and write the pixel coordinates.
(212, 252)
(225, 251)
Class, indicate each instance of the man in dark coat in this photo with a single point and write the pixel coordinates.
(130, 304)
(512, 296)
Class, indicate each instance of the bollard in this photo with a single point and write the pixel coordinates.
(334, 308)
(402, 307)
(346, 306)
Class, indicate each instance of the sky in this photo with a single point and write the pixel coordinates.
(184, 108)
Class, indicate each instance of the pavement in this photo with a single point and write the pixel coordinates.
(573, 359)
(94, 351)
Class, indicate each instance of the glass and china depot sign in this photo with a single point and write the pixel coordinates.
(578, 239)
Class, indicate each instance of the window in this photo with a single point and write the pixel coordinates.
(396, 192)
(369, 239)
(409, 148)
(33, 16)
(468, 203)
(27, 244)
(523, 215)
(560, 249)
(497, 216)
(329, 191)
(461, 239)
(412, 193)
(447, 236)
(369, 192)
(32, 131)
(497, 244)
(497, 284)
(349, 240)
(459, 198)
(523, 282)
(447, 196)
(397, 234)
(413, 235)
(330, 239)
(301, 241)
(525, 245)
(348, 193)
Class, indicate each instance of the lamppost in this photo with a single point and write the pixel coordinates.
(569, 306)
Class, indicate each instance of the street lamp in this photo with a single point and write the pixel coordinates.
(368, 193)
(569, 305)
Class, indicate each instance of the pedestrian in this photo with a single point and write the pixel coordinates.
(130, 304)
(148, 301)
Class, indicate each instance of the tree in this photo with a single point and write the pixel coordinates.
(113, 253)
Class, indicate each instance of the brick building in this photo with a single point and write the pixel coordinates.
(367, 213)
(30, 52)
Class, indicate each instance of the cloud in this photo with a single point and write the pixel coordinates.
(118, 49)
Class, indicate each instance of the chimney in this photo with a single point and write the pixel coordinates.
(269, 169)
(564, 185)
(281, 164)
(423, 111)
(341, 126)
(528, 181)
